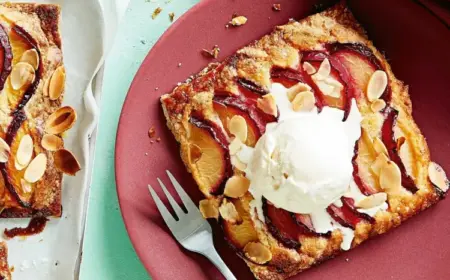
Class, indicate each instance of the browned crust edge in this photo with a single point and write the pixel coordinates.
(5, 273)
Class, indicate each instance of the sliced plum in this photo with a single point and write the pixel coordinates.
(347, 215)
(208, 155)
(6, 57)
(388, 138)
(363, 187)
(286, 77)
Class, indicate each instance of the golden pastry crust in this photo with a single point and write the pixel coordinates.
(32, 26)
(282, 49)
(5, 274)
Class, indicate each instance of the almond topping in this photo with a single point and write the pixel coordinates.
(324, 70)
(437, 176)
(309, 68)
(52, 142)
(57, 81)
(209, 209)
(377, 85)
(61, 120)
(4, 150)
(236, 162)
(26, 186)
(25, 150)
(257, 252)
(66, 162)
(229, 213)
(304, 102)
(379, 162)
(36, 169)
(379, 146)
(238, 127)
(22, 75)
(378, 105)
(46, 86)
(390, 177)
(18, 166)
(236, 186)
(372, 200)
(238, 21)
(295, 89)
(267, 105)
(31, 57)
(235, 146)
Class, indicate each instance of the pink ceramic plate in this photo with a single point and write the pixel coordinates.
(417, 45)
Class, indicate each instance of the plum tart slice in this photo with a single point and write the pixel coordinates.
(242, 123)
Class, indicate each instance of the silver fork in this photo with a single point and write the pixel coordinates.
(191, 230)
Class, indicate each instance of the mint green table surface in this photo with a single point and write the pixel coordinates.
(107, 250)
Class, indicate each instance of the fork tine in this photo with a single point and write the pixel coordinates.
(172, 201)
(168, 218)
(190, 205)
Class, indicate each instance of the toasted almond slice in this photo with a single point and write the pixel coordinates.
(209, 209)
(268, 105)
(195, 153)
(26, 186)
(379, 146)
(369, 142)
(324, 70)
(257, 252)
(377, 105)
(229, 213)
(236, 186)
(236, 162)
(372, 200)
(45, 87)
(309, 68)
(235, 146)
(295, 89)
(377, 85)
(379, 162)
(66, 162)
(4, 150)
(304, 102)
(19, 166)
(61, 120)
(31, 57)
(57, 81)
(437, 176)
(52, 142)
(36, 168)
(390, 177)
(25, 150)
(22, 75)
(238, 21)
(238, 127)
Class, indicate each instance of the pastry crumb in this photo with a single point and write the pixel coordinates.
(276, 7)
(156, 12)
(171, 16)
(179, 64)
(151, 132)
(238, 20)
(158, 139)
(214, 53)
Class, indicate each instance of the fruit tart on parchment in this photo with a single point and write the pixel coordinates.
(303, 144)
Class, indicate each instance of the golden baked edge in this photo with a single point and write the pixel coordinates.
(253, 63)
(5, 274)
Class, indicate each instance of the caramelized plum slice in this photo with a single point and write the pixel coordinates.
(347, 215)
(209, 158)
(6, 57)
(387, 136)
(363, 187)
(287, 77)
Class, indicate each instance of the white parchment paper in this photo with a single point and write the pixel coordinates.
(88, 29)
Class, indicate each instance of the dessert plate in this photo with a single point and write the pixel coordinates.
(417, 53)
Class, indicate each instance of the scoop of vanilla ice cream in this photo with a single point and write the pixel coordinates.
(304, 163)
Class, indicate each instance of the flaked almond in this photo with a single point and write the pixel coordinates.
(61, 120)
(379, 146)
(236, 186)
(257, 252)
(237, 163)
(229, 213)
(45, 87)
(304, 102)
(329, 86)
(26, 186)
(324, 70)
(25, 150)
(209, 209)
(52, 142)
(66, 162)
(235, 146)
(238, 21)
(372, 200)
(296, 89)
(195, 153)
(437, 176)
(390, 177)
(19, 166)
(377, 105)
(22, 75)
(238, 127)
(379, 162)
(4, 150)
(377, 85)
(36, 168)
(309, 68)
(57, 81)
(31, 57)
(268, 105)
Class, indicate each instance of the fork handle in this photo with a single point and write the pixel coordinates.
(214, 257)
